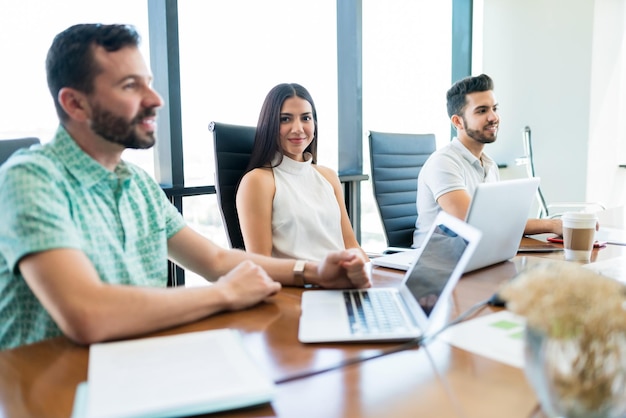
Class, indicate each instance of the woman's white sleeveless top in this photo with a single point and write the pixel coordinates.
(306, 221)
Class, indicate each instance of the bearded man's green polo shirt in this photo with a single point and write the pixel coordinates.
(57, 196)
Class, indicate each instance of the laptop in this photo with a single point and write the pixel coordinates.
(500, 211)
(613, 236)
(400, 313)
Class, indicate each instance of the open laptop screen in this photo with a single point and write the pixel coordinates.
(430, 274)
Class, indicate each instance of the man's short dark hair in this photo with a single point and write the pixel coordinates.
(456, 96)
(70, 61)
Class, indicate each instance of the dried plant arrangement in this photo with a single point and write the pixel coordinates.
(575, 336)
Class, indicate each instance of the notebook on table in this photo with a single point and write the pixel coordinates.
(500, 211)
(171, 376)
(395, 313)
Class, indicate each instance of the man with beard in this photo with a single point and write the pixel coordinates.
(450, 175)
(86, 236)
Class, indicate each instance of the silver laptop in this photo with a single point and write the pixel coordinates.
(613, 236)
(405, 312)
(500, 211)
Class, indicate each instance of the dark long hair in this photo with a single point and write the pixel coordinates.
(70, 61)
(267, 138)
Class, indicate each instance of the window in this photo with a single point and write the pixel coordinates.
(406, 73)
(230, 58)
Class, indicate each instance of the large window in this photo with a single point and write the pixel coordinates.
(406, 73)
(233, 52)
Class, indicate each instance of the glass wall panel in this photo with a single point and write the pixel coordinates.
(203, 215)
(28, 28)
(406, 73)
(233, 52)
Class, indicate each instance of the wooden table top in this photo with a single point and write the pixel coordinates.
(39, 380)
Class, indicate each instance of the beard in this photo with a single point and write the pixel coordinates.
(479, 135)
(118, 130)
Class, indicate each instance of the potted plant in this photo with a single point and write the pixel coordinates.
(575, 338)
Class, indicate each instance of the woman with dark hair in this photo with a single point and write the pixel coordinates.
(288, 205)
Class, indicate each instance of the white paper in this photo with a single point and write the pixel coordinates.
(614, 268)
(175, 375)
(498, 336)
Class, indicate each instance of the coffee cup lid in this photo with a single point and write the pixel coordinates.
(583, 216)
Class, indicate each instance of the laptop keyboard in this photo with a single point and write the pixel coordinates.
(374, 312)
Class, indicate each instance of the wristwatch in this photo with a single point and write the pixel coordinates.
(298, 273)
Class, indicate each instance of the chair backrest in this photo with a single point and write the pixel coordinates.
(9, 146)
(530, 168)
(551, 210)
(233, 146)
(396, 161)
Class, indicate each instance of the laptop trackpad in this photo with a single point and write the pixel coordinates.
(324, 311)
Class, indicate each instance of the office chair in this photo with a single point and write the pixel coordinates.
(9, 146)
(233, 146)
(396, 160)
(553, 210)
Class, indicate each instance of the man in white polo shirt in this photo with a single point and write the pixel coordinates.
(450, 175)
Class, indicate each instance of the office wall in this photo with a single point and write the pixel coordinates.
(558, 67)
(607, 130)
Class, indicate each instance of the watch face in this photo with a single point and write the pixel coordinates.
(298, 273)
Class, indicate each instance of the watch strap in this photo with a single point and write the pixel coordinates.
(298, 273)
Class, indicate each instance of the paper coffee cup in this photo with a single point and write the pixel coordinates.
(579, 231)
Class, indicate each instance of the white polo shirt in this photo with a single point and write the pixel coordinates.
(450, 168)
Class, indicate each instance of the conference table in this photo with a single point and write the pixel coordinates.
(434, 380)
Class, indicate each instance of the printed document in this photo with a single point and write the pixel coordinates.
(498, 336)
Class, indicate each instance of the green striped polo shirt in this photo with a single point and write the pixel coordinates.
(57, 196)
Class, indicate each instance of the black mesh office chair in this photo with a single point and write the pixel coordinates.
(396, 161)
(9, 146)
(233, 146)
